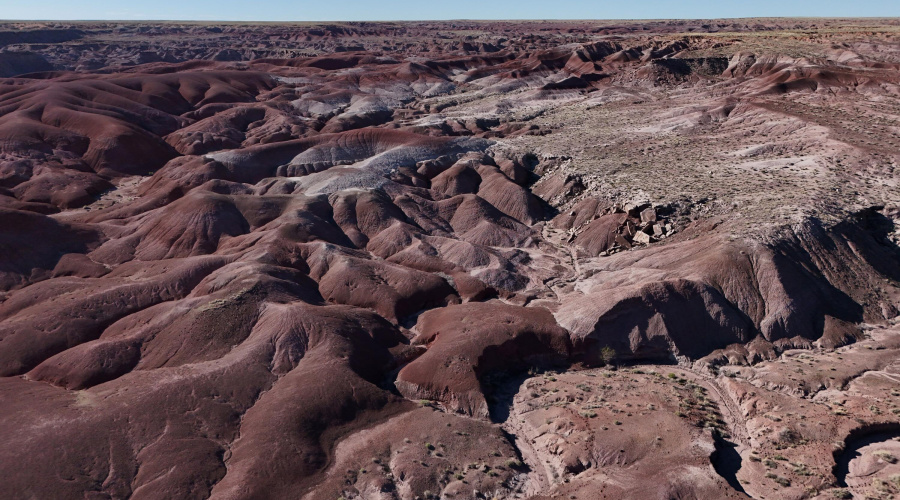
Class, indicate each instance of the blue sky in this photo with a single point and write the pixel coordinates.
(341, 10)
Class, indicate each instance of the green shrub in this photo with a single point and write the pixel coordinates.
(607, 355)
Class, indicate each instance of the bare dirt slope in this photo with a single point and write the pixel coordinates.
(400, 261)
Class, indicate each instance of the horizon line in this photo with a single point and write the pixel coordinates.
(236, 21)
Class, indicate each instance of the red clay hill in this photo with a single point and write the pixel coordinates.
(450, 260)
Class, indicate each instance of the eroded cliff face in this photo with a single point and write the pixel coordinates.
(259, 275)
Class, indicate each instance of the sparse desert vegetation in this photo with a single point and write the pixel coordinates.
(447, 260)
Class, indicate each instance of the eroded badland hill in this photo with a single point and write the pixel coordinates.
(450, 260)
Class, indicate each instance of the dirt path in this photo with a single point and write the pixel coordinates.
(729, 408)
(569, 259)
(538, 479)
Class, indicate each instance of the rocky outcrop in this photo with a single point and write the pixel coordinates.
(316, 261)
